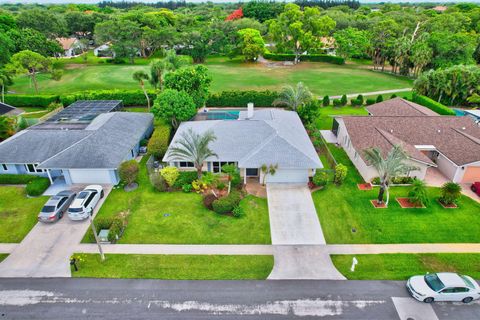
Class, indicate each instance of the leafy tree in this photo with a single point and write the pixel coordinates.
(128, 171)
(383, 35)
(141, 77)
(174, 106)
(294, 97)
(450, 49)
(29, 63)
(251, 44)
(394, 165)
(159, 67)
(80, 23)
(298, 31)
(352, 43)
(421, 55)
(7, 127)
(33, 40)
(6, 48)
(195, 148)
(194, 80)
(308, 113)
(262, 10)
(200, 43)
(450, 193)
(124, 35)
(51, 24)
(7, 22)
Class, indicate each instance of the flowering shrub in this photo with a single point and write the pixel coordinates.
(235, 15)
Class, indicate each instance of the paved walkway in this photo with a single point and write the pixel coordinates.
(373, 93)
(435, 178)
(328, 136)
(299, 244)
(46, 250)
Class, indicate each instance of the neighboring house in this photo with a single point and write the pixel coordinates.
(256, 138)
(8, 110)
(328, 44)
(71, 46)
(440, 8)
(84, 143)
(105, 50)
(449, 143)
(474, 114)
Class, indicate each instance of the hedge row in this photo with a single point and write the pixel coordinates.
(432, 105)
(26, 100)
(306, 57)
(37, 186)
(236, 98)
(129, 97)
(158, 143)
(16, 178)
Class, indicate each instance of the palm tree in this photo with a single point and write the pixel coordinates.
(268, 170)
(194, 147)
(294, 97)
(140, 77)
(158, 68)
(392, 166)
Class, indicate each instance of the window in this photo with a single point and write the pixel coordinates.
(434, 282)
(460, 289)
(448, 290)
(217, 166)
(32, 168)
(61, 202)
(4, 166)
(252, 172)
(356, 155)
(89, 199)
(185, 164)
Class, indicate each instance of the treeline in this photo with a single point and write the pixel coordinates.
(325, 4)
(172, 5)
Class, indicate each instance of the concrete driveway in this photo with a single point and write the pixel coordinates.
(46, 250)
(299, 244)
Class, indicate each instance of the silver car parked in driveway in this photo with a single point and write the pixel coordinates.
(56, 206)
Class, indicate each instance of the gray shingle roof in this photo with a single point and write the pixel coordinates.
(270, 137)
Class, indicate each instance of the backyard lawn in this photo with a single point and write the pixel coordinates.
(347, 216)
(178, 217)
(3, 256)
(18, 214)
(175, 267)
(227, 74)
(403, 266)
(325, 118)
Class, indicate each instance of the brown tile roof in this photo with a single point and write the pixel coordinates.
(458, 138)
(66, 43)
(399, 107)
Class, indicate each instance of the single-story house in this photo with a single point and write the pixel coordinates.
(71, 46)
(474, 114)
(81, 144)
(8, 110)
(104, 50)
(449, 143)
(256, 138)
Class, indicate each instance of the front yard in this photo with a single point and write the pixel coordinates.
(403, 266)
(3, 256)
(18, 214)
(347, 216)
(175, 267)
(181, 218)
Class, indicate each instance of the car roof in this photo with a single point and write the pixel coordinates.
(64, 193)
(451, 279)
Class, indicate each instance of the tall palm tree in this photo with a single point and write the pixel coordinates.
(294, 97)
(392, 166)
(159, 67)
(194, 147)
(141, 77)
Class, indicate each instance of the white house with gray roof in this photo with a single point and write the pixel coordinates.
(80, 148)
(256, 138)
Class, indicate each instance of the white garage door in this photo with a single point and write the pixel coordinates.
(289, 176)
(90, 176)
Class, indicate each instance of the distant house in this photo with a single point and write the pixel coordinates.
(8, 110)
(84, 143)
(71, 46)
(440, 8)
(449, 143)
(328, 44)
(105, 50)
(253, 138)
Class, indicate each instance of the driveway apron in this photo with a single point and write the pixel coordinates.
(299, 245)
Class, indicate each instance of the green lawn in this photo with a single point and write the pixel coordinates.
(3, 256)
(178, 217)
(227, 74)
(325, 118)
(18, 214)
(403, 266)
(341, 209)
(175, 267)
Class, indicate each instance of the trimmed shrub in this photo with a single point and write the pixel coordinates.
(16, 178)
(187, 188)
(221, 186)
(184, 178)
(344, 100)
(227, 204)
(25, 100)
(170, 174)
(337, 103)
(379, 98)
(115, 226)
(158, 182)
(340, 173)
(37, 186)
(360, 99)
(129, 97)
(208, 201)
(450, 193)
(238, 211)
(370, 101)
(236, 98)
(320, 179)
(326, 101)
(306, 57)
(128, 171)
(158, 143)
(432, 105)
(395, 180)
(393, 96)
(356, 102)
(418, 193)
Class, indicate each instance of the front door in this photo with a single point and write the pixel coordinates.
(252, 172)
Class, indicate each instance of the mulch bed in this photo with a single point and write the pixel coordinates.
(364, 186)
(405, 203)
(377, 205)
(447, 206)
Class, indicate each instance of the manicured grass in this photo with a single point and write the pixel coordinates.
(3, 256)
(342, 208)
(325, 118)
(178, 217)
(227, 74)
(175, 267)
(35, 115)
(18, 214)
(403, 266)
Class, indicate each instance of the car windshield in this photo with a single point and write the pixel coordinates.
(82, 195)
(434, 282)
(75, 210)
(48, 209)
(467, 282)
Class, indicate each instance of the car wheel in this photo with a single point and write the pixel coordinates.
(474, 189)
(102, 194)
(428, 300)
(467, 300)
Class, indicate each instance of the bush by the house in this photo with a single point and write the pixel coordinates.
(208, 201)
(432, 105)
(26, 100)
(16, 178)
(158, 143)
(170, 174)
(326, 101)
(187, 188)
(344, 100)
(360, 99)
(370, 101)
(306, 57)
(395, 180)
(128, 171)
(228, 203)
(393, 96)
(238, 211)
(221, 186)
(158, 182)
(237, 98)
(379, 98)
(143, 143)
(340, 173)
(37, 186)
(450, 193)
(129, 97)
(337, 103)
(320, 179)
(185, 178)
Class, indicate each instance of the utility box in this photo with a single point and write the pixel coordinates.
(103, 236)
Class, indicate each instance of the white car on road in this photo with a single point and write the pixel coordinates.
(443, 286)
(84, 203)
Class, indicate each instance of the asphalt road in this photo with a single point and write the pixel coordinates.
(152, 299)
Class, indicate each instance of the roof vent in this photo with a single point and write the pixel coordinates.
(250, 110)
(463, 128)
(439, 130)
(391, 130)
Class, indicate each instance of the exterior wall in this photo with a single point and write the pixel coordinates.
(11, 169)
(447, 167)
(19, 169)
(288, 176)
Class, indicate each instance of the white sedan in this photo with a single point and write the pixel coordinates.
(443, 286)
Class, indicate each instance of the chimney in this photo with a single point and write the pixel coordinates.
(250, 110)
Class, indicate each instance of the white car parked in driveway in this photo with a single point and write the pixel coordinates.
(443, 286)
(84, 203)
